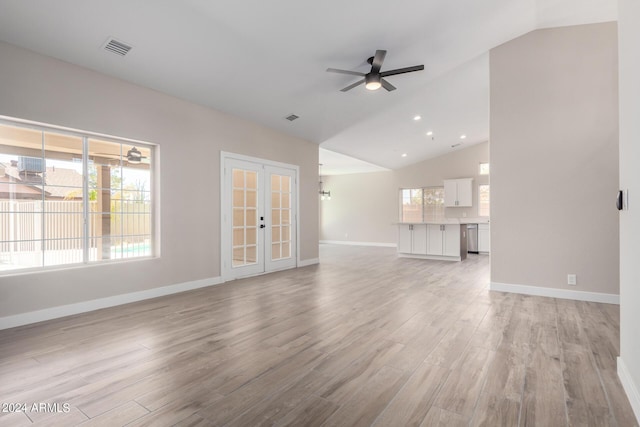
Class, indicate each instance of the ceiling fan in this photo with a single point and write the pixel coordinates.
(374, 79)
(133, 156)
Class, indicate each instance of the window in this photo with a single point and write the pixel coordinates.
(411, 207)
(484, 168)
(70, 198)
(421, 204)
(483, 200)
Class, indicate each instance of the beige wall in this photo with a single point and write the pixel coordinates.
(365, 207)
(629, 34)
(39, 88)
(554, 159)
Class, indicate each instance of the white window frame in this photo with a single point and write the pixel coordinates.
(86, 136)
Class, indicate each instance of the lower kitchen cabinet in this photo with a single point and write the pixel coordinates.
(432, 241)
(412, 239)
(443, 239)
(484, 238)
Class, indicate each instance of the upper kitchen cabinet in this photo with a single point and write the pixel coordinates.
(458, 193)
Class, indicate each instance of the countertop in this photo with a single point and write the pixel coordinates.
(481, 220)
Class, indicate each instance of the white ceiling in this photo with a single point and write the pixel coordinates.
(263, 60)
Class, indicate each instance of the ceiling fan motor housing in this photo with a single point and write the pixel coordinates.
(372, 81)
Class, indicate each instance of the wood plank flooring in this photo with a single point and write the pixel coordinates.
(364, 338)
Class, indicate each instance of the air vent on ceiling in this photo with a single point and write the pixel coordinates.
(117, 47)
(292, 117)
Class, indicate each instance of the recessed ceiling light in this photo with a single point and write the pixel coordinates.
(416, 118)
(429, 133)
(404, 154)
(463, 136)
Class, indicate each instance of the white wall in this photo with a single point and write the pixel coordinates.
(365, 207)
(554, 159)
(629, 51)
(43, 89)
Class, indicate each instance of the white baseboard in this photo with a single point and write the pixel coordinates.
(345, 242)
(96, 304)
(629, 387)
(307, 262)
(556, 293)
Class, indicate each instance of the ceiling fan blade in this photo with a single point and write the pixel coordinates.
(353, 73)
(358, 83)
(388, 86)
(378, 59)
(402, 70)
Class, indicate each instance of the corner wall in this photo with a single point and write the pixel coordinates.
(554, 160)
(40, 88)
(629, 360)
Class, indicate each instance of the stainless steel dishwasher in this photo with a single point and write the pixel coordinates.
(472, 238)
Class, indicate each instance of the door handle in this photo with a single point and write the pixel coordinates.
(262, 226)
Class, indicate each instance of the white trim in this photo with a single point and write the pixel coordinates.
(556, 293)
(350, 243)
(633, 394)
(308, 262)
(96, 304)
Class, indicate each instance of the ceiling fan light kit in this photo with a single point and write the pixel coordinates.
(134, 156)
(373, 80)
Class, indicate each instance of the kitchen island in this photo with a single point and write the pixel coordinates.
(442, 240)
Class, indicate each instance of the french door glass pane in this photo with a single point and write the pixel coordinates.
(245, 218)
(280, 216)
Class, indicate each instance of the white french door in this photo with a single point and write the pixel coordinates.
(259, 212)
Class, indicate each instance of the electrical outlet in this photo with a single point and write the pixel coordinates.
(571, 279)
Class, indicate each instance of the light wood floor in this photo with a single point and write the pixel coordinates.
(362, 339)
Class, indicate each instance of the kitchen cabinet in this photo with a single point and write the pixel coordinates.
(444, 239)
(484, 238)
(432, 241)
(458, 192)
(412, 239)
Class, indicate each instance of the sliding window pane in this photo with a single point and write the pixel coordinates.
(62, 199)
(135, 224)
(19, 254)
(411, 207)
(433, 203)
(62, 167)
(105, 165)
(63, 226)
(63, 251)
(105, 248)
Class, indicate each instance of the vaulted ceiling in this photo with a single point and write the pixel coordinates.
(265, 60)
